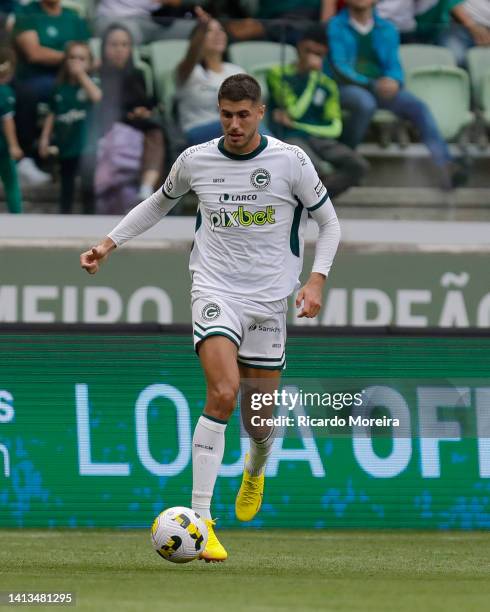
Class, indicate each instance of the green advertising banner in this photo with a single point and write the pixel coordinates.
(367, 287)
(96, 429)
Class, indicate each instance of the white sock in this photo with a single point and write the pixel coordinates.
(208, 446)
(259, 453)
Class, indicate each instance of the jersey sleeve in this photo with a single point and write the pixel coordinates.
(178, 180)
(308, 188)
(149, 212)
(313, 195)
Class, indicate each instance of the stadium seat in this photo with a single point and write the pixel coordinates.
(479, 66)
(421, 56)
(485, 98)
(95, 47)
(253, 54)
(164, 57)
(446, 90)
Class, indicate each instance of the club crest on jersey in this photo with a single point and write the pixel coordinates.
(260, 178)
(210, 312)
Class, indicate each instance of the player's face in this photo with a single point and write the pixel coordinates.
(240, 121)
(118, 48)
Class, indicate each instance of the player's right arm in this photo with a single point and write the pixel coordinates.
(142, 217)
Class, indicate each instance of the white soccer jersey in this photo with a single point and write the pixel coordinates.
(251, 217)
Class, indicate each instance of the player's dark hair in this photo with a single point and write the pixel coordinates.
(240, 87)
(317, 33)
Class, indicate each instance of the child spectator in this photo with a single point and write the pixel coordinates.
(73, 97)
(364, 57)
(305, 103)
(199, 76)
(41, 31)
(10, 150)
(127, 111)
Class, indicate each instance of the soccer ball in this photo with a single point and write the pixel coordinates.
(179, 534)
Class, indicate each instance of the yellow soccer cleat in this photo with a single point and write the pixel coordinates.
(249, 498)
(214, 551)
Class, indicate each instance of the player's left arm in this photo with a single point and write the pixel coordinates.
(314, 195)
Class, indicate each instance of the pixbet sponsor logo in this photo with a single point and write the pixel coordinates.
(241, 217)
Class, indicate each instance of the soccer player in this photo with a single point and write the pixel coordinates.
(255, 194)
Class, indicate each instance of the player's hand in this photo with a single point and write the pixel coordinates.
(92, 259)
(310, 296)
(387, 87)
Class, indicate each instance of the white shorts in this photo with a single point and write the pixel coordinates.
(258, 329)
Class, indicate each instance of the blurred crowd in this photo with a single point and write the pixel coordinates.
(81, 102)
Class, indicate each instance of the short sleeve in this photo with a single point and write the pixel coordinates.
(178, 180)
(308, 187)
(24, 23)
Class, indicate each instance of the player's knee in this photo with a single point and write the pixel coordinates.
(222, 399)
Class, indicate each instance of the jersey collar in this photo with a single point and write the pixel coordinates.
(251, 155)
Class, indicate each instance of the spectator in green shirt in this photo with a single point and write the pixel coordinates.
(306, 112)
(41, 32)
(70, 105)
(10, 150)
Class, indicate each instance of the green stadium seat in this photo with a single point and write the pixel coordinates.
(412, 57)
(485, 98)
(446, 90)
(478, 60)
(253, 54)
(421, 56)
(165, 55)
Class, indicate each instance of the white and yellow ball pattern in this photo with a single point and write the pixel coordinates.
(179, 534)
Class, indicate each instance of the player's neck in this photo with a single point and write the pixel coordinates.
(246, 149)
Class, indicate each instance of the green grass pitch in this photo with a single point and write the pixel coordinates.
(266, 570)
